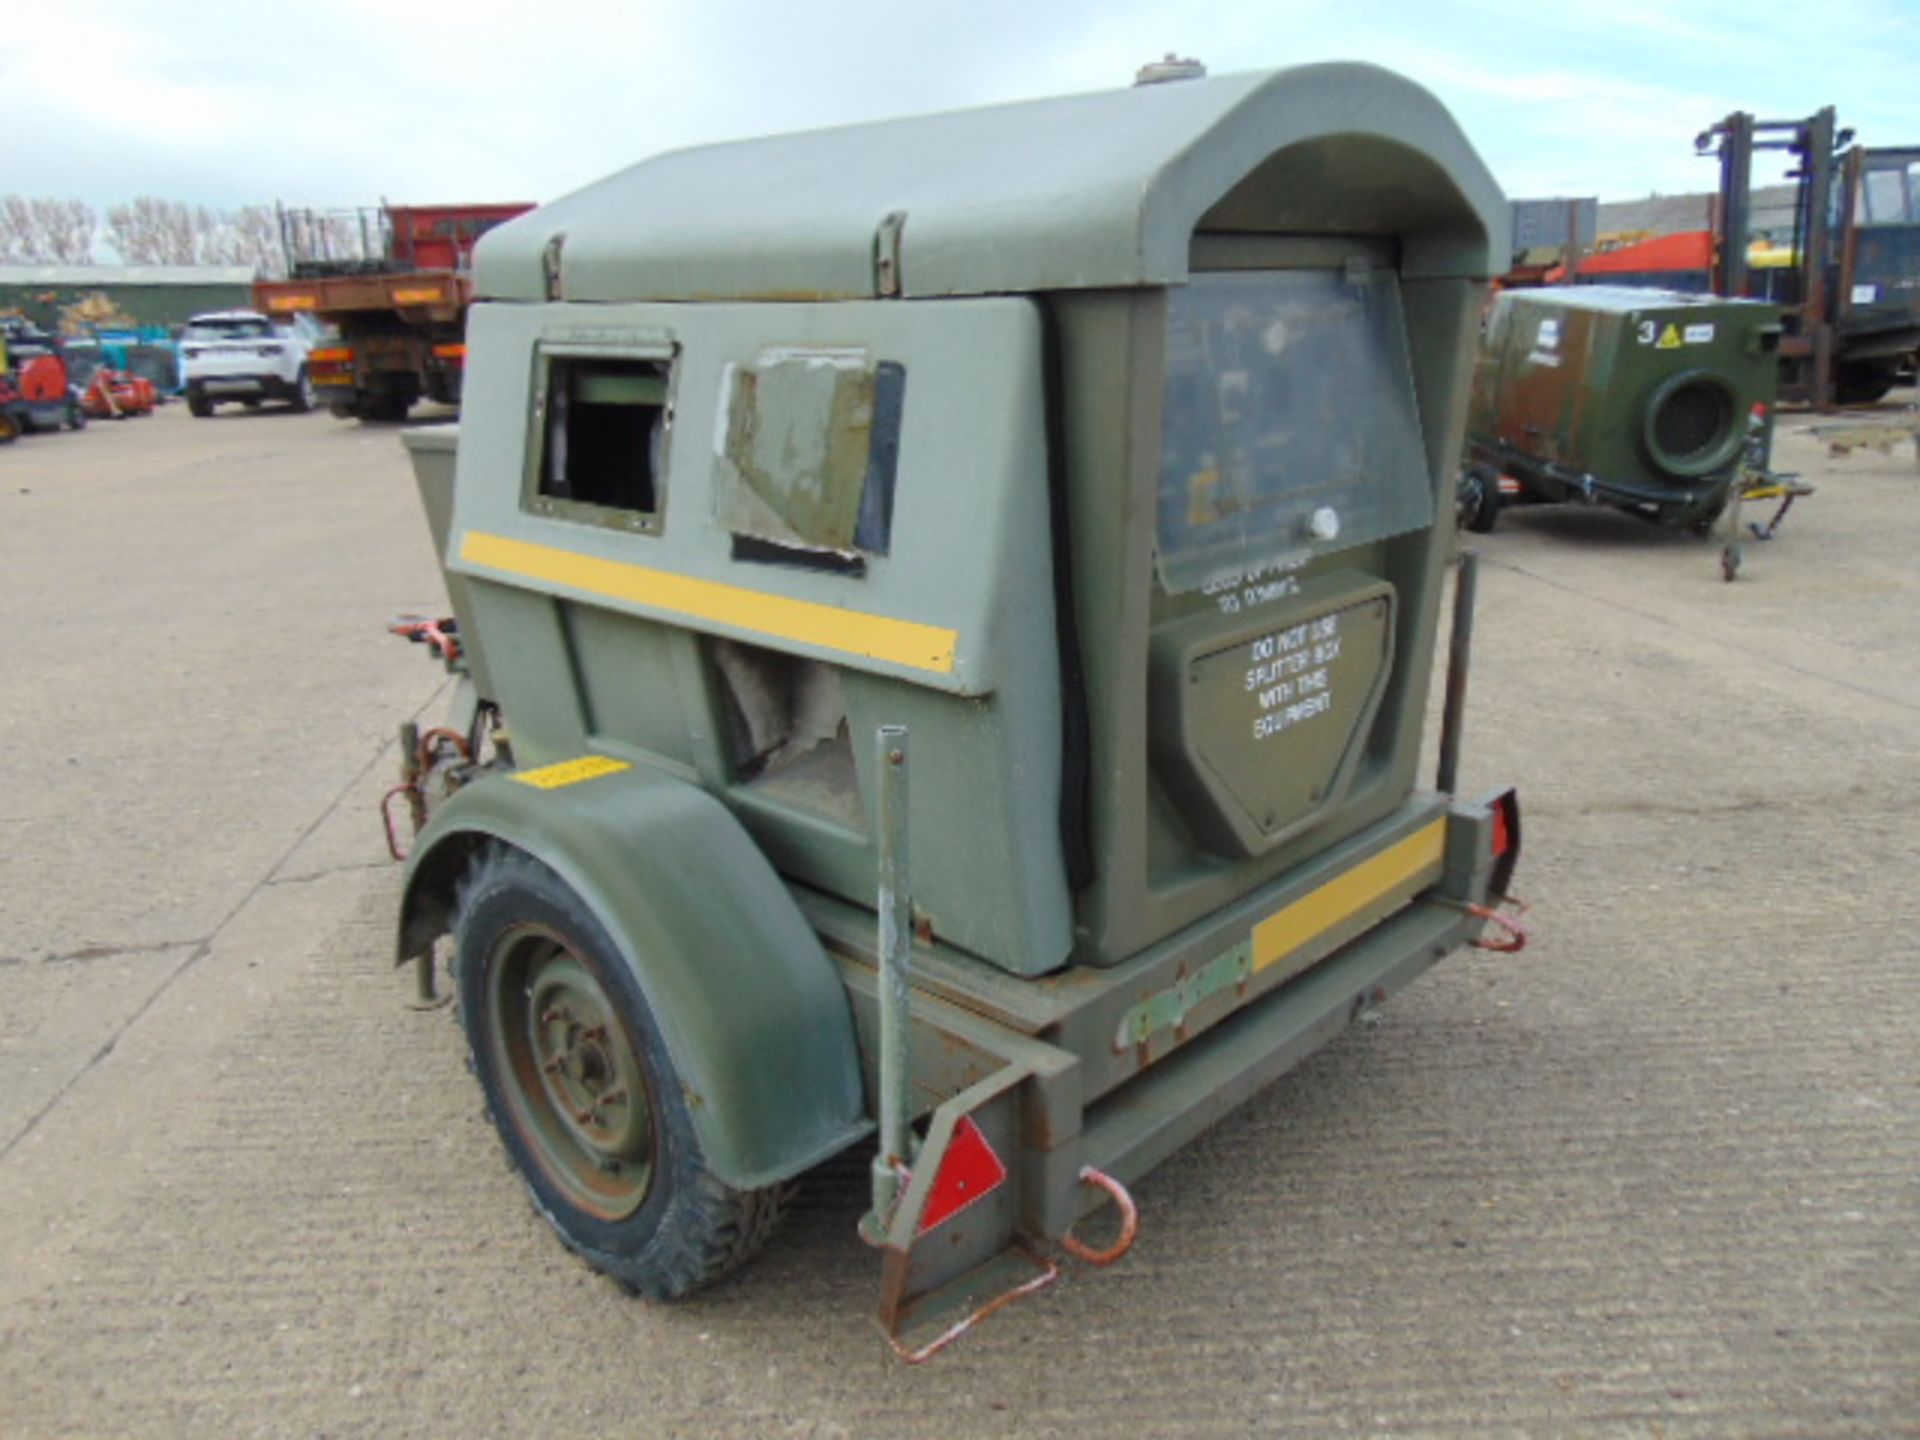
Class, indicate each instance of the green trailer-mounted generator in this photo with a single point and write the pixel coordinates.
(1645, 400)
(945, 611)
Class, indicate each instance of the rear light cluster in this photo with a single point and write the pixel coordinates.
(1506, 840)
(332, 364)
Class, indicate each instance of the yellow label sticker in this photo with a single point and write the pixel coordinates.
(1669, 338)
(291, 302)
(416, 296)
(571, 772)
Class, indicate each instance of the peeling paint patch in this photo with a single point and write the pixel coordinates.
(807, 447)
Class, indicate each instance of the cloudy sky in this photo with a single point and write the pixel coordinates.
(228, 102)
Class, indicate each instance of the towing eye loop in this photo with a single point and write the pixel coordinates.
(1129, 1221)
(427, 751)
(416, 814)
(1507, 917)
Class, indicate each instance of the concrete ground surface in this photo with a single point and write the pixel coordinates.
(1658, 1176)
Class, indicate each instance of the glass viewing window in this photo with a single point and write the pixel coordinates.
(1289, 425)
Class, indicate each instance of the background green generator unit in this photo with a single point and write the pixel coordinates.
(1640, 399)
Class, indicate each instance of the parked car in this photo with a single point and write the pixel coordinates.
(241, 355)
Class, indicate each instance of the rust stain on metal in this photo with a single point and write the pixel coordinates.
(1129, 1221)
(1047, 1274)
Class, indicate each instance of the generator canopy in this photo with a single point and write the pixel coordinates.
(1077, 192)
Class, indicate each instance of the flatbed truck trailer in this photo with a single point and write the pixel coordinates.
(394, 287)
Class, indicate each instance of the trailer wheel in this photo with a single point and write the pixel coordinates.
(383, 409)
(302, 398)
(583, 1092)
(1478, 500)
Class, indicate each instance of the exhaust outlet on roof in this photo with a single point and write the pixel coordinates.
(1169, 67)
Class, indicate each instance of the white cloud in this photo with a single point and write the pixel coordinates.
(230, 101)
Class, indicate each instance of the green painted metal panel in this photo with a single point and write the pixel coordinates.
(968, 548)
(1172, 841)
(1108, 190)
(1332, 182)
(752, 1010)
(432, 449)
(968, 552)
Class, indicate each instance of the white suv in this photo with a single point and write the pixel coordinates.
(240, 355)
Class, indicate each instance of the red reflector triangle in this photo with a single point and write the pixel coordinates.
(1501, 837)
(968, 1171)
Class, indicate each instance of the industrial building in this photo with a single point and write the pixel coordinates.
(54, 296)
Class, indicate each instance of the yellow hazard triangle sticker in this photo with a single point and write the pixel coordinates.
(1669, 338)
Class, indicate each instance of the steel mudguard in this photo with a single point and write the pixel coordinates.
(754, 1014)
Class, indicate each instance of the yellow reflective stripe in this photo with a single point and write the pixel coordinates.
(570, 772)
(1311, 916)
(852, 632)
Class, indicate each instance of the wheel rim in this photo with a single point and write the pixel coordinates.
(570, 1074)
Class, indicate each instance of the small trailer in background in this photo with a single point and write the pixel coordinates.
(1652, 402)
(945, 648)
(394, 285)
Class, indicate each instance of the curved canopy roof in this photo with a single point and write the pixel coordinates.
(1076, 192)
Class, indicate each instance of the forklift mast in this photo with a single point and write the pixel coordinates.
(1814, 143)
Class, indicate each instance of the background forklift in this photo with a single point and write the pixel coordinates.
(1851, 285)
(945, 648)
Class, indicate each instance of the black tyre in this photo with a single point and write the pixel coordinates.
(1862, 382)
(76, 417)
(1478, 500)
(583, 1092)
(199, 405)
(302, 400)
